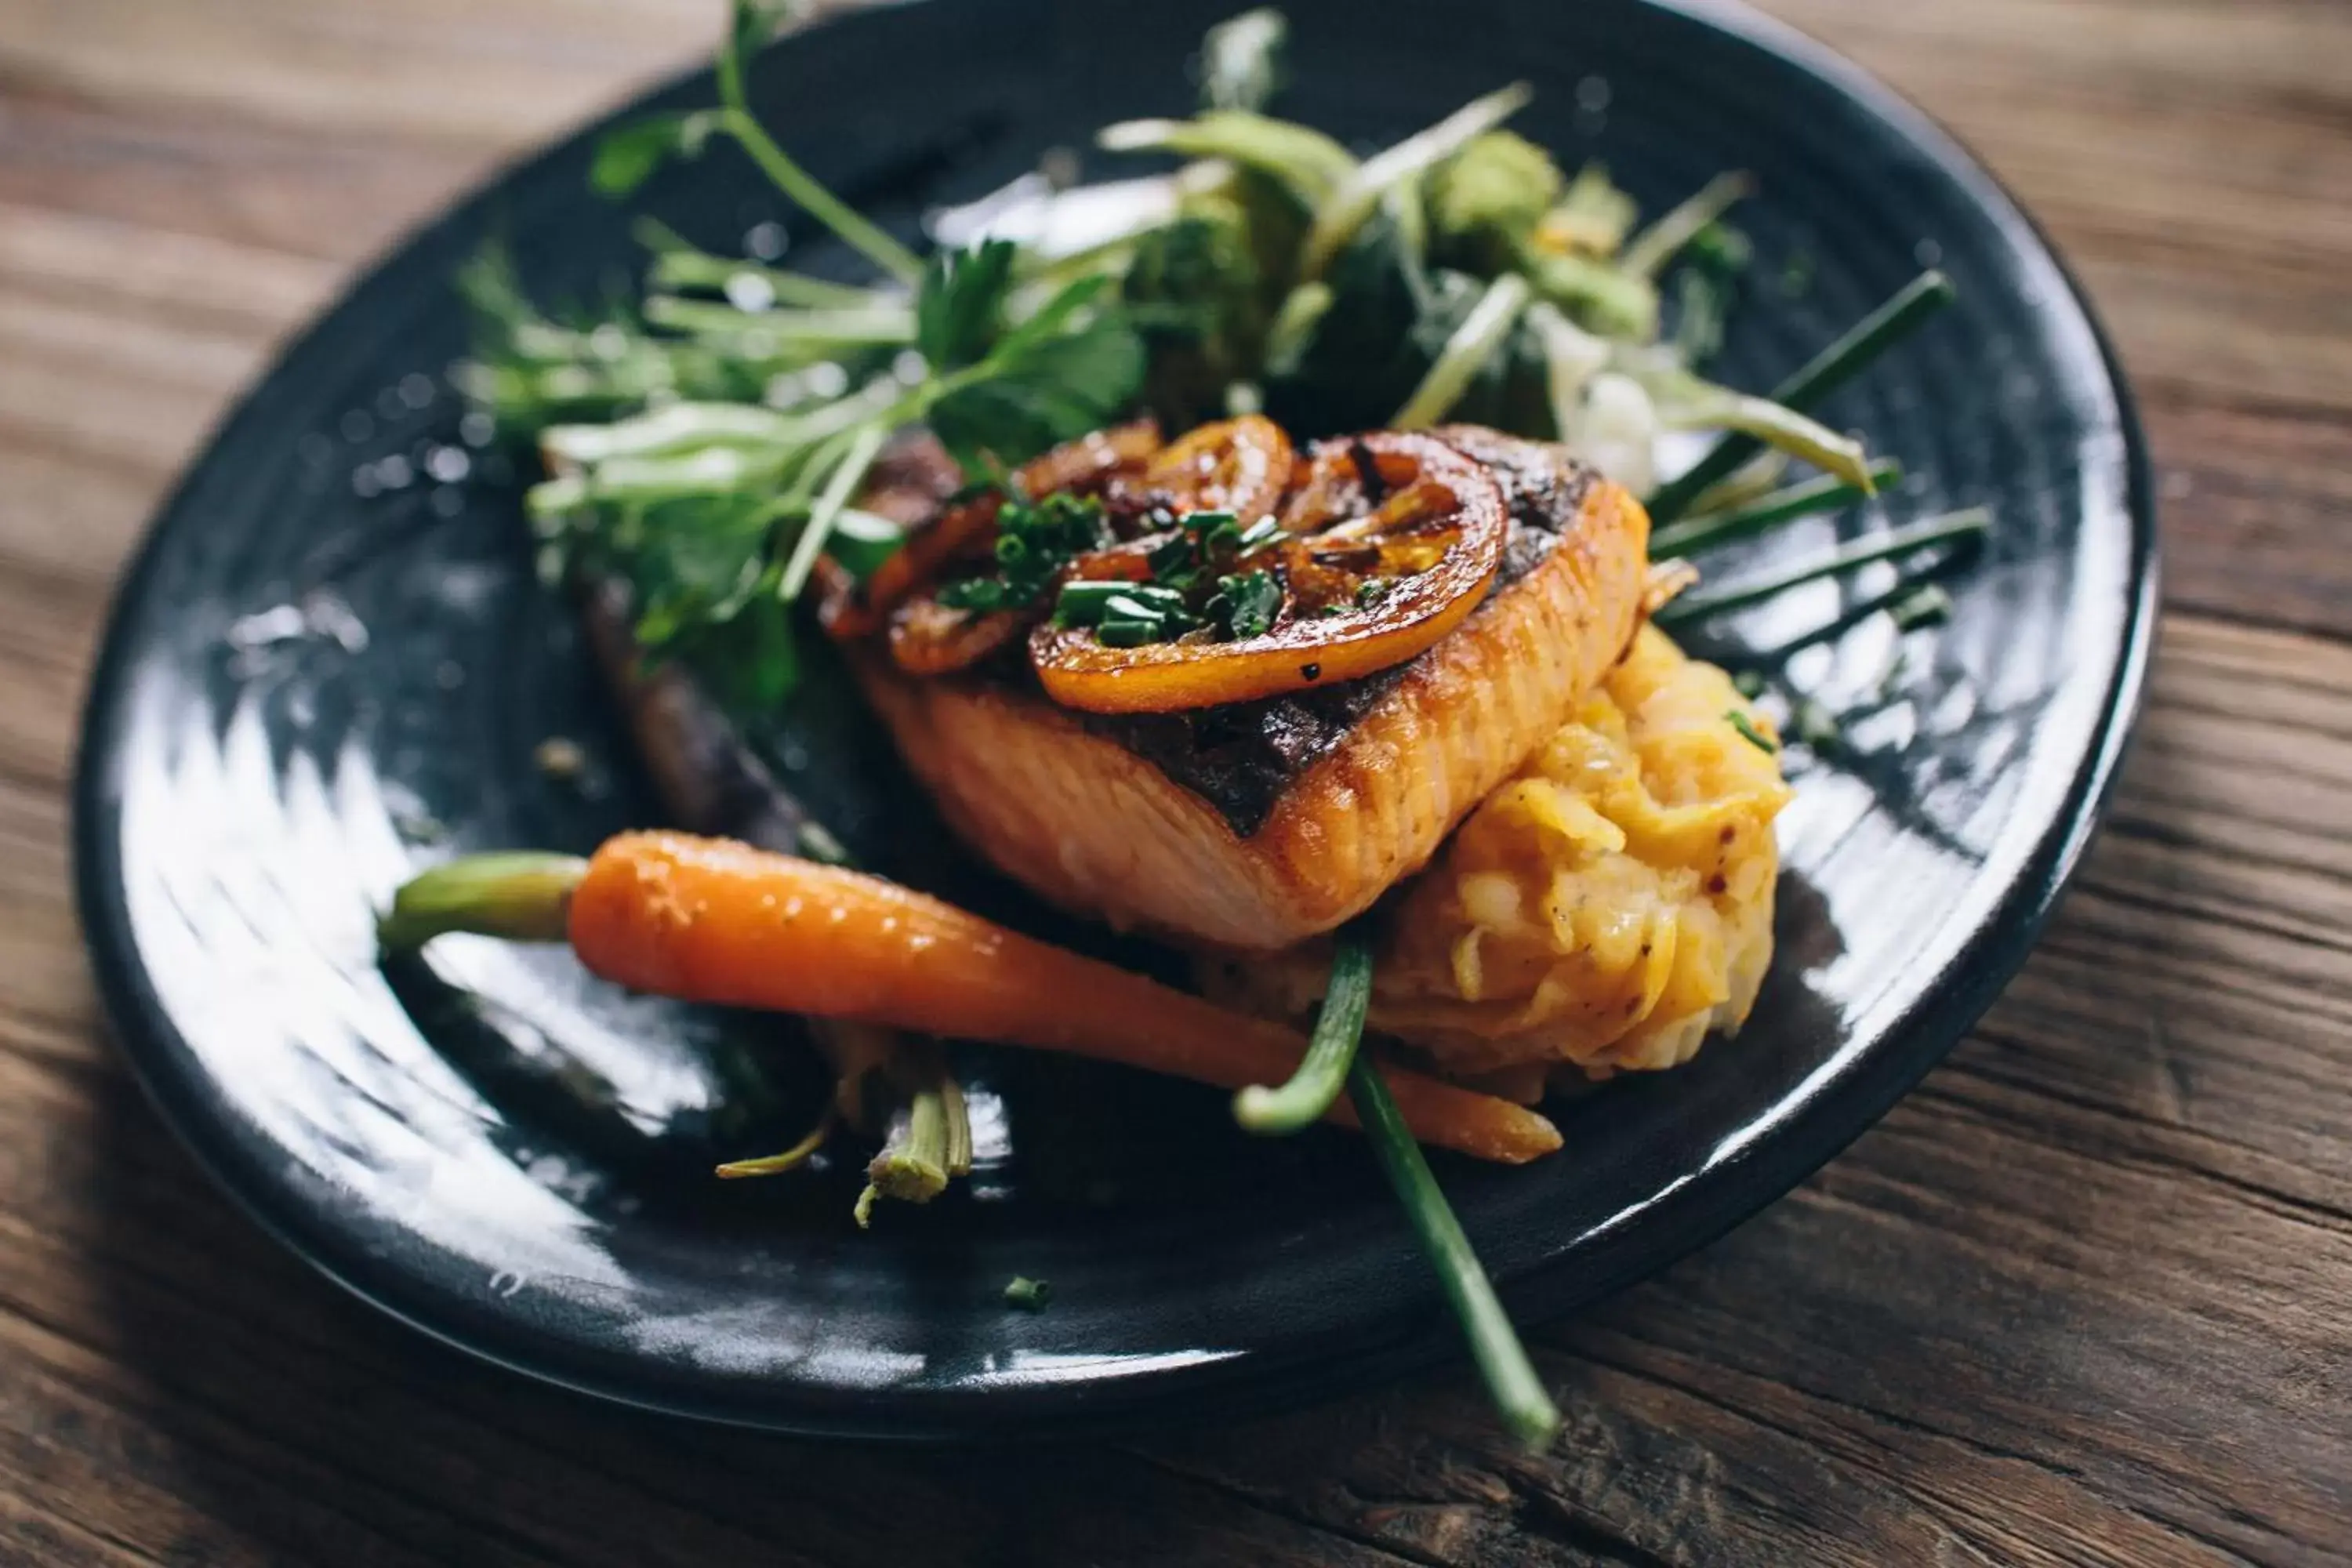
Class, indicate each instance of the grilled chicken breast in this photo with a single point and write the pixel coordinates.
(1257, 825)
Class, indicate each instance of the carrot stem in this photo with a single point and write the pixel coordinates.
(523, 897)
(792, 1159)
(929, 1144)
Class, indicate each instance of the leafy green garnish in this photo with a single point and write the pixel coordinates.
(1034, 542)
(714, 515)
(1067, 371)
(627, 155)
(1196, 292)
(630, 153)
(960, 310)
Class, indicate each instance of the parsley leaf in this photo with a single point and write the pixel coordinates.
(1030, 397)
(959, 308)
(627, 154)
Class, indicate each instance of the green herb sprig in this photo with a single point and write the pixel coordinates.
(714, 514)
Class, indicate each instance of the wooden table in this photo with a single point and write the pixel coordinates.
(2087, 1295)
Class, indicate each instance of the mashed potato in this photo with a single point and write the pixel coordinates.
(1607, 908)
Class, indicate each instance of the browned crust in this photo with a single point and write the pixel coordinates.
(1100, 831)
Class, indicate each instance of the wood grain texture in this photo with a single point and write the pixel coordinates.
(2086, 1297)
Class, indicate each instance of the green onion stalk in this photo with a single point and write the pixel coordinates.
(1956, 529)
(1826, 493)
(1334, 1060)
(1512, 1382)
(1829, 369)
(1322, 1074)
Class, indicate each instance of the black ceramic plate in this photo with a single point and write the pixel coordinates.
(332, 661)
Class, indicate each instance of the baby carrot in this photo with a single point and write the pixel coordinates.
(713, 920)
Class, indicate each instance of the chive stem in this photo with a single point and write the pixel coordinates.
(524, 896)
(1830, 630)
(1322, 1072)
(1829, 369)
(1826, 492)
(1960, 527)
(1511, 1381)
(678, 263)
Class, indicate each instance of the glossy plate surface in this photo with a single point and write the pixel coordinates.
(332, 663)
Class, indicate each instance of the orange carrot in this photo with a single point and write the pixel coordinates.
(713, 920)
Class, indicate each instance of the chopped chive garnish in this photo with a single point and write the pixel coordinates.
(1826, 493)
(1029, 1295)
(1034, 542)
(1960, 528)
(1511, 1382)
(1264, 531)
(1129, 633)
(1082, 604)
(1830, 369)
(1322, 1072)
(1246, 604)
(1750, 733)
(1173, 559)
(1127, 607)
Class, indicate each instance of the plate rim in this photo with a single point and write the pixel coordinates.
(1913, 1044)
